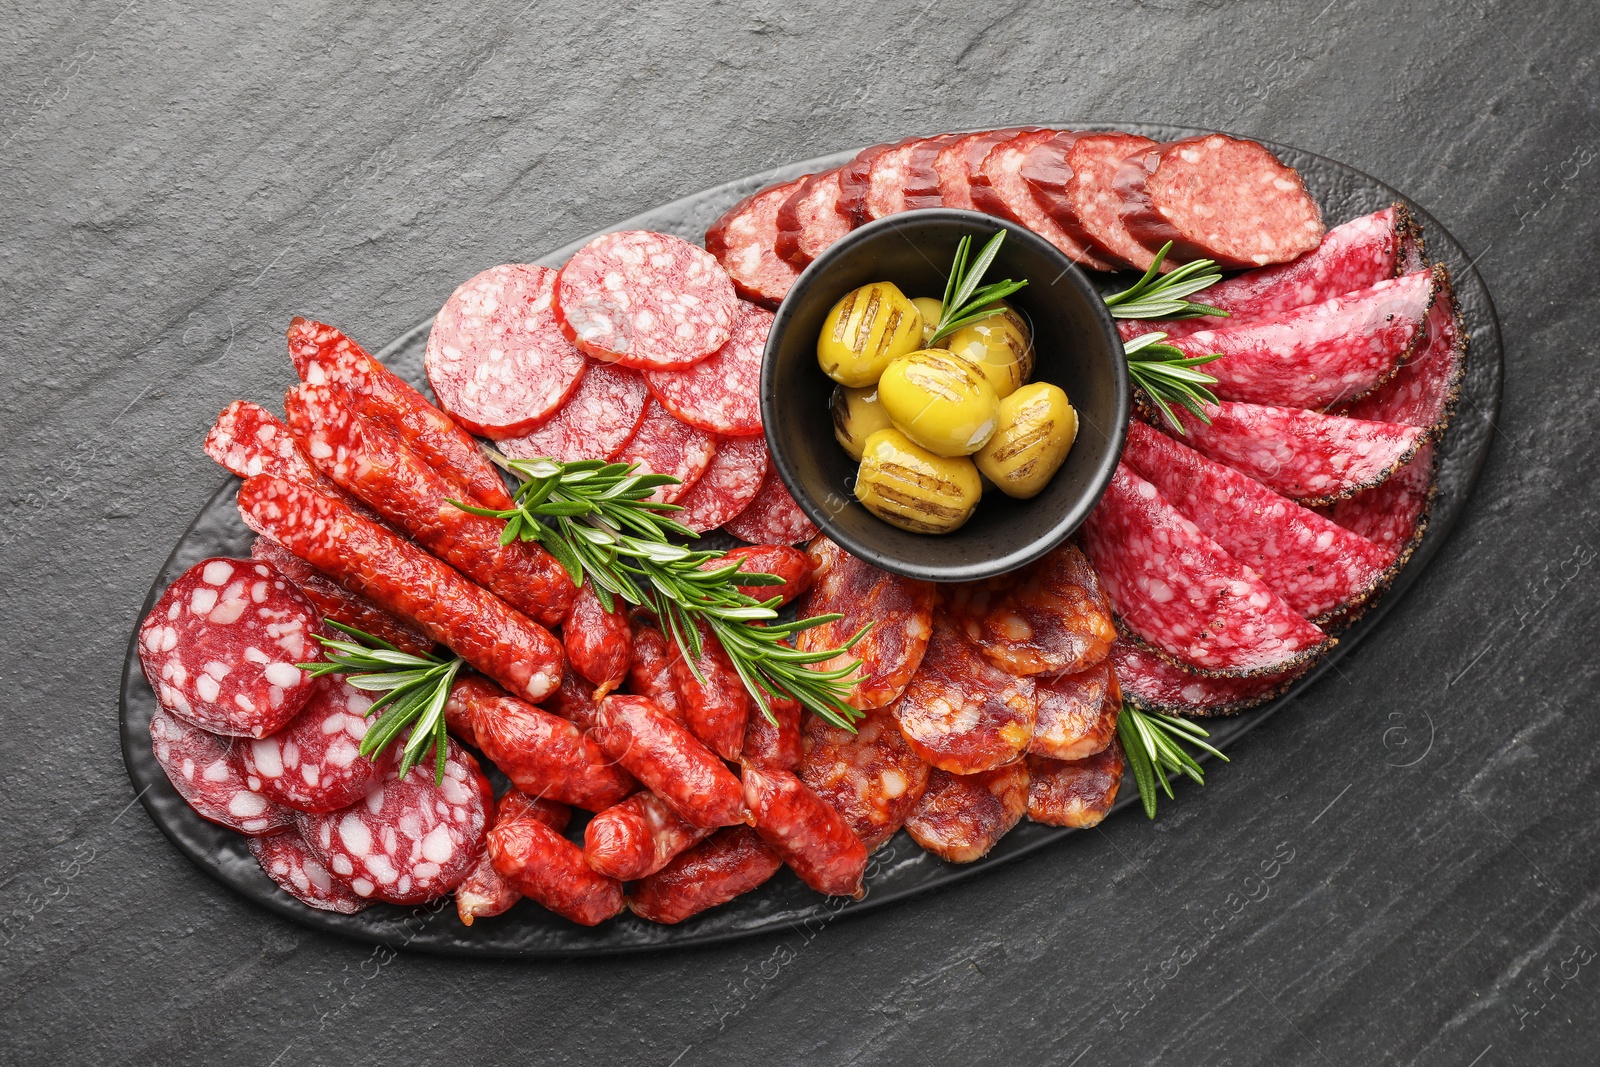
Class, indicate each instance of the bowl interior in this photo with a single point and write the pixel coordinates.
(1077, 348)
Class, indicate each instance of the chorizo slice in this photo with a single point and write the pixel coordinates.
(1077, 793)
(871, 776)
(813, 839)
(729, 863)
(961, 713)
(1077, 713)
(637, 837)
(668, 760)
(962, 816)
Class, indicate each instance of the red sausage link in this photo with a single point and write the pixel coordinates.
(813, 839)
(599, 642)
(716, 705)
(336, 602)
(663, 755)
(784, 561)
(539, 863)
(485, 894)
(637, 837)
(729, 863)
(650, 673)
(399, 577)
(543, 755)
(574, 701)
(774, 745)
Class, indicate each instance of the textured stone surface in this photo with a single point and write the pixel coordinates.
(178, 181)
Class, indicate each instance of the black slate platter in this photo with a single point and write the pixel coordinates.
(900, 869)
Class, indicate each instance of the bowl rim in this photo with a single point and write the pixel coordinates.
(1072, 516)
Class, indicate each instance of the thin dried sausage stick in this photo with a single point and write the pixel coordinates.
(663, 755)
(544, 866)
(725, 865)
(599, 643)
(716, 705)
(813, 839)
(637, 837)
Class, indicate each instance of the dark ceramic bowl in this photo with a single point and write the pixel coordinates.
(1077, 348)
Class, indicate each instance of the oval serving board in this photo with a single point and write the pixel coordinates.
(900, 869)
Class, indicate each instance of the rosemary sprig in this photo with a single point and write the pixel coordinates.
(1156, 297)
(1153, 744)
(414, 688)
(964, 303)
(596, 518)
(1169, 377)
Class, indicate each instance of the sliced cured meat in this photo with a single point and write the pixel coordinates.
(485, 893)
(204, 769)
(902, 178)
(1355, 255)
(669, 761)
(574, 701)
(248, 440)
(962, 816)
(315, 763)
(334, 601)
(960, 712)
(814, 841)
(772, 518)
(811, 219)
(715, 704)
(408, 840)
(869, 776)
(496, 358)
(1073, 176)
(998, 188)
(1321, 354)
(1423, 392)
(650, 673)
(542, 865)
(1220, 198)
(854, 181)
(599, 643)
(1394, 515)
(288, 860)
(645, 300)
(899, 609)
(1178, 589)
(1077, 714)
(594, 423)
(728, 864)
(666, 445)
(1048, 617)
(958, 162)
(722, 393)
(637, 837)
(399, 577)
(769, 743)
(324, 356)
(1077, 793)
(220, 647)
(727, 487)
(1316, 566)
(1155, 684)
(1305, 455)
(780, 561)
(745, 242)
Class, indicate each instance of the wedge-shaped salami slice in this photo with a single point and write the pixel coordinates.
(1394, 515)
(961, 713)
(900, 610)
(204, 769)
(315, 764)
(1073, 175)
(1317, 566)
(1178, 589)
(869, 776)
(998, 188)
(745, 242)
(958, 162)
(1077, 713)
(289, 861)
(721, 394)
(1155, 684)
(664, 444)
(595, 422)
(772, 518)
(1423, 392)
(811, 219)
(1305, 455)
(1077, 793)
(899, 178)
(962, 816)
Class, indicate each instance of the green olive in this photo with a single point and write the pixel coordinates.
(940, 401)
(867, 328)
(1000, 346)
(931, 309)
(1037, 428)
(909, 487)
(857, 415)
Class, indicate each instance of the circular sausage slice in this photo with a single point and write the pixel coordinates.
(204, 769)
(289, 861)
(721, 394)
(314, 763)
(594, 423)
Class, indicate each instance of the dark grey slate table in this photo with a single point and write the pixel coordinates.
(1401, 869)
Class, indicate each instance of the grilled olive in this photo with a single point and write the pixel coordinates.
(1000, 345)
(931, 309)
(941, 402)
(866, 329)
(1037, 428)
(857, 415)
(910, 487)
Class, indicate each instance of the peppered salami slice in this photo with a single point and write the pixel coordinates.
(1393, 515)
(1077, 793)
(721, 394)
(772, 518)
(727, 487)
(900, 610)
(220, 647)
(1077, 713)
(998, 188)
(1316, 566)
(962, 816)
(204, 769)
(1304, 455)
(960, 712)
(1220, 198)
(664, 444)
(1073, 176)
(869, 775)
(334, 601)
(745, 242)
(854, 181)
(645, 300)
(408, 840)
(1156, 684)
(595, 422)
(811, 219)
(1423, 392)
(315, 764)
(902, 178)
(958, 161)
(289, 861)
(1178, 589)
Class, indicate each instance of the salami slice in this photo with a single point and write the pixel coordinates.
(1394, 515)
(1077, 793)
(899, 609)
(666, 445)
(636, 838)
(1220, 198)
(1304, 455)
(1077, 713)
(1155, 684)
(288, 860)
(902, 178)
(869, 776)
(727, 487)
(1178, 589)
(1423, 392)
(204, 769)
(220, 647)
(745, 242)
(811, 219)
(334, 601)
(728, 864)
(485, 893)
(962, 816)
(645, 300)
(772, 518)
(1321, 354)
(1073, 176)
(408, 840)
(595, 422)
(854, 181)
(1316, 566)
(314, 764)
(721, 394)
(814, 841)
(1048, 617)
(959, 160)
(998, 188)
(960, 712)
